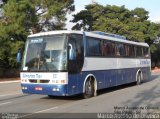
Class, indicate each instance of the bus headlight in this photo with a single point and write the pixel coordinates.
(24, 80)
(58, 89)
(24, 88)
(55, 89)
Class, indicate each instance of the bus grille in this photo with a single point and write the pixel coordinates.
(38, 81)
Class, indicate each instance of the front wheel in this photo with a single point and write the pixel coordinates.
(89, 89)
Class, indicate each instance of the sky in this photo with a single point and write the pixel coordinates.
(152, 6)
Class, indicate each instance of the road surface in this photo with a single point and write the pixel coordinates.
(144, 98)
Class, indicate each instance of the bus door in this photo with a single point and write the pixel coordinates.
(75, 62)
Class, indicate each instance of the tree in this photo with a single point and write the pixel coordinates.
(52, 13)
(86, 18)
(21, 17)
(42, 14)
(133, 24)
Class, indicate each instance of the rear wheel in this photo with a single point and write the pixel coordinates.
(50, 96)
(89, 89)
(139, 79)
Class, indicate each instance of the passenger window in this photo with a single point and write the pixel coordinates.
(139, 51)
(146, 52)
(120, 50)
(131, 51)
(94, 47)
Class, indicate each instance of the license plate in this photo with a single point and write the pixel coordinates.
(38, 88)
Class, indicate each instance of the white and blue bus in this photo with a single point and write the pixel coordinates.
(64, 63)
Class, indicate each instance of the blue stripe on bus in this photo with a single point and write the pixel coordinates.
(105, 79)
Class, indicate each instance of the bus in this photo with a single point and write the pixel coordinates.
(65, 63)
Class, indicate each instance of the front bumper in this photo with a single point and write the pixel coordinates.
(44, 89)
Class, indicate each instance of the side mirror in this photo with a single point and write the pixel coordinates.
(19, 56)
(71, 52)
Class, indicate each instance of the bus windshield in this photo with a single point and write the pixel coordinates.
(47, 53)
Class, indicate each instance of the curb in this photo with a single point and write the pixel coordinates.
(10, 81)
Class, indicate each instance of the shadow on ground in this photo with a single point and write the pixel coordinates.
(74, 97)
(149, 99)
(108, 90)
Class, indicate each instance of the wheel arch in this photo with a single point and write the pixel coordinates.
(95, 83)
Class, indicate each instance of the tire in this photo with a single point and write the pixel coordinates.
(139, 79)
(50, 96)
(89, 89)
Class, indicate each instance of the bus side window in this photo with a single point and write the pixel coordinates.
(109, 48)
(139, 51)
(118, 49)
(94, 47)
(113, 49)
(127, 50)
(146, 52)
(103, 48)
(131, 51)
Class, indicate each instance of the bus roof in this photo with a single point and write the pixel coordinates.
(91, 34)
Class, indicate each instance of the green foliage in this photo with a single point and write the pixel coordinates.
(140, 13)
(8, 53)
(51, 13)
(133, 24)
(17, 19)
(14, 46)
(20, 17)
(4, 50)
(114, 19)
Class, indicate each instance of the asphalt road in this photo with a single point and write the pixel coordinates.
(143, 98)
